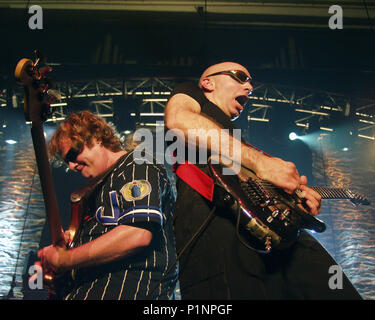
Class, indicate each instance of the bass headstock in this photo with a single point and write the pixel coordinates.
(39, 92)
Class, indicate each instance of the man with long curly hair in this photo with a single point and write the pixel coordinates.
(126, 243)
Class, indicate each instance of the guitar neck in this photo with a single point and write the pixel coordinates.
(46, 181)
(333, 193)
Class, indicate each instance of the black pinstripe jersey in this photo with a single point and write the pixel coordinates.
(138, 195)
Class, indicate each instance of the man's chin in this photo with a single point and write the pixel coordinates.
(86, 174)
(235, 115)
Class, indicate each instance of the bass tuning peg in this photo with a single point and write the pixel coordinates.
(44, 70)
(54, 93)
(39, 56)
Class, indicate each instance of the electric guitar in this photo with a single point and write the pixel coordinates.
(271, 217)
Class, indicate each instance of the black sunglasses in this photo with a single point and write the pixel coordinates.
(73, 153)
(237, 75)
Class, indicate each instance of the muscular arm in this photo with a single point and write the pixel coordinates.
(183, 112)
(121, 241)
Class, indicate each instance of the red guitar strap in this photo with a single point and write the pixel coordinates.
(196, 179)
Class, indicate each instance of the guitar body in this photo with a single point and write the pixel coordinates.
(271, 217)
(58, 283)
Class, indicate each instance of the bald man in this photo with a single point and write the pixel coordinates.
(215, 265)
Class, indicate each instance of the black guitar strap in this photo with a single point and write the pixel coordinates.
(187, 245)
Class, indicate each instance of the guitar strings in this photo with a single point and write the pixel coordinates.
(331, 191)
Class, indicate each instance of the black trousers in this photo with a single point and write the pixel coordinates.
(304, 271)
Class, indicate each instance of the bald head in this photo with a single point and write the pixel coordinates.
(223, 66)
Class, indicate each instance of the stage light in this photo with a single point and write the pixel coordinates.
(293, 136)
(10, 141)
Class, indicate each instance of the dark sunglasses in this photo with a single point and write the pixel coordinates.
(237, 75)
(73, 153)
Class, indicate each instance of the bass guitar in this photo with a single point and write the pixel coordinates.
(38, 95)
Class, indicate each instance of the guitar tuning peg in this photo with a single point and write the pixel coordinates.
(39, 56)
(44, 70)
(54, 93)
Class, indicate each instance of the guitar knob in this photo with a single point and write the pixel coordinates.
(275, 213)
(285, 214)
(227, 198)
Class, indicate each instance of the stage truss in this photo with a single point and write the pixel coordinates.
(310, 109)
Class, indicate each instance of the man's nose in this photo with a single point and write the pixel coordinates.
(249, 86)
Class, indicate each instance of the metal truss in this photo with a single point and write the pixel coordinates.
(313, 108)
(3, 101)
(310, 108)
(150, 94)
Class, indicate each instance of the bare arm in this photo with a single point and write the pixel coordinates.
(119, 242)
(183, 112)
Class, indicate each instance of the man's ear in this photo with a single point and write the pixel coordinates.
(207, 84)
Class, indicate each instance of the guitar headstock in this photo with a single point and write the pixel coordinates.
(356, 199)
(39, 91)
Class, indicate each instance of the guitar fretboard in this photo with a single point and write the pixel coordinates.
(333, 193)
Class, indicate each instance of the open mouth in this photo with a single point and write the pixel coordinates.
(79, 167)
(242, 100)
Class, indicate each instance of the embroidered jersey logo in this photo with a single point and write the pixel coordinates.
(136, 190)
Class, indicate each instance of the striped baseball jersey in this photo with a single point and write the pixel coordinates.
(138, 195)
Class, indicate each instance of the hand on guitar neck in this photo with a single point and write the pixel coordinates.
(311, 201)
(284, 175)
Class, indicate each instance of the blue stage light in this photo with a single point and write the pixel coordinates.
(293, 136)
